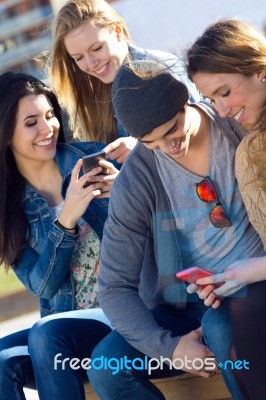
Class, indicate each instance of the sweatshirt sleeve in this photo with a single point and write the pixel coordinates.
(127, 235)
(251, 176)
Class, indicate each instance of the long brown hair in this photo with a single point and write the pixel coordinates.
(86, 99)
(230, 46)
(13, 223)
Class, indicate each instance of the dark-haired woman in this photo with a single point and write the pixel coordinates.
(51, 222)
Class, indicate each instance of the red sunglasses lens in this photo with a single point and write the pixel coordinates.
(219, 218)
(206, 191)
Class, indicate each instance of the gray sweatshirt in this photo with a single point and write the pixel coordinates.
(142, 248)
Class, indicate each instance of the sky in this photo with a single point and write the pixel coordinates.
(174, 24)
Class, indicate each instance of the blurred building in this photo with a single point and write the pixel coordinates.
(168, 25)
(23, 33)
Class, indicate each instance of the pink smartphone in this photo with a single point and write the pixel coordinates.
(191, 275)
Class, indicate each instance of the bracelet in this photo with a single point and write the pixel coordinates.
(63, 227)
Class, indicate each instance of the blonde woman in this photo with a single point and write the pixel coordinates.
(228, 65)
(90, 43)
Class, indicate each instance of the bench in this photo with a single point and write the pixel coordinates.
(185, 387)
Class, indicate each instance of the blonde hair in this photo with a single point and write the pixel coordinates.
(86, 99)
(149, 69)
(230, 46)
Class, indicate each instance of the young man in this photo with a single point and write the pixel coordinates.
(165, 216)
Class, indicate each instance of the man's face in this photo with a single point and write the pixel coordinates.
(173, 137)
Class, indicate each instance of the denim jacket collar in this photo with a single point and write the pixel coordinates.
(66, 158)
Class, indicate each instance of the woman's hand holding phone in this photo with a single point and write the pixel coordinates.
(235, 277)
(203, 283)
(79, 196)
(213, 287)
(106, 175)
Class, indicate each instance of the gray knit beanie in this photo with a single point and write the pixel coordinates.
(143, 104)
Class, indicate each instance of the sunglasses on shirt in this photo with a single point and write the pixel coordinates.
(207, 193)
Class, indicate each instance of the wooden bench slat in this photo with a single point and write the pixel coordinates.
(185, 387)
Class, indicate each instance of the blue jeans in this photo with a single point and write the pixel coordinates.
(32, 352)
(217, 334)
(134, 383)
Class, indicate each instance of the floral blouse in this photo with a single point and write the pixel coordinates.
(84, 264)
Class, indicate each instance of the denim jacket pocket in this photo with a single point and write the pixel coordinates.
(32, 236)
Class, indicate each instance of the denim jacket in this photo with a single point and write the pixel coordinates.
(44, 266)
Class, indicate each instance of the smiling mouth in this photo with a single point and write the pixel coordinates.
(239, 114)
(180, 140)
(177, 146)
(43, 143)
(101, 70)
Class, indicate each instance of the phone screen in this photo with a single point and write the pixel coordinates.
(92, 161)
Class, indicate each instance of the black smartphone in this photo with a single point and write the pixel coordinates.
(92, 161)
